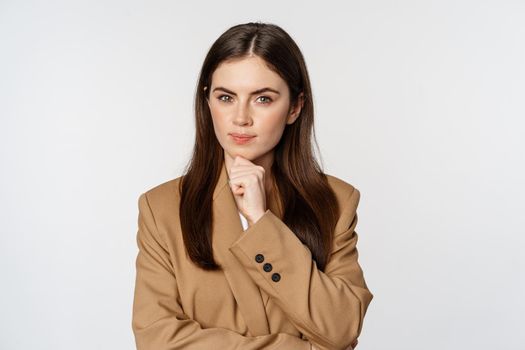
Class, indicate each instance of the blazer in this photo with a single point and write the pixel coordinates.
(270, 294)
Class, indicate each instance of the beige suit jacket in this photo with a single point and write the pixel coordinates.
(247, 306)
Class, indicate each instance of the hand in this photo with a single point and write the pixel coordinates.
(247, 185)
(350, 347)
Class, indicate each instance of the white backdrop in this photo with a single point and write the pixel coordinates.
(419, 104)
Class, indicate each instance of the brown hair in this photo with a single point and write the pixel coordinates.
(309, 204)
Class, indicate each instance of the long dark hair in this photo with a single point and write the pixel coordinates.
(310, 208)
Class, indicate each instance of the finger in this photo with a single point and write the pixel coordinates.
(246, 178)
(239, 173)
(241, 160)
(247, 175)
(242, 171)
(245, 167)
(238, 187)
(238, 191)
(236, 184)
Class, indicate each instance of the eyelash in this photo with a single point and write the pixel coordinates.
(266, 97)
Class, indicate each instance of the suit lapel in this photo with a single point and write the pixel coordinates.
(227, 228)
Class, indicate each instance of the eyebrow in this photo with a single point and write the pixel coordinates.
(253, 93)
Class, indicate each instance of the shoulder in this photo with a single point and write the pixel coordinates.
(168, 189)
(343, 189)
(163, 197)
(348, 197)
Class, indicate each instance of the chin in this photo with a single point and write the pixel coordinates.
(242, 154)
(246, 155)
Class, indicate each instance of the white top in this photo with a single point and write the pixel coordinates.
(244, 221)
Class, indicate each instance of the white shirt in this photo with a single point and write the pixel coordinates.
(244, 221)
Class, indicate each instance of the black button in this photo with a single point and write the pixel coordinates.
(259, 258)
(267, 267)
(276, 277)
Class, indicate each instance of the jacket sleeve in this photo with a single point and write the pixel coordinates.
(158, 320)
(327, 307)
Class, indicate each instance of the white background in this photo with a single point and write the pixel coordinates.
(419, 104)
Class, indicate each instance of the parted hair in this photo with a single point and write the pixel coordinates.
(310, 208)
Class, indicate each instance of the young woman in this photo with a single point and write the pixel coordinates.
(254, 247)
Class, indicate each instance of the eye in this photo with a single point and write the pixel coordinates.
(266, 99)
(220, 98)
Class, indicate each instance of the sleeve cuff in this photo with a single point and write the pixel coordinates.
(274, 257)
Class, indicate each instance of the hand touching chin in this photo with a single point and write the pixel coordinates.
(247, 181)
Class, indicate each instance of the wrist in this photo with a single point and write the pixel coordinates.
(256, 218)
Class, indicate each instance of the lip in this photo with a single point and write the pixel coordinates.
(242, 139)
(241, 135)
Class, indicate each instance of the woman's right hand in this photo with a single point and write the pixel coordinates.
(350, 347)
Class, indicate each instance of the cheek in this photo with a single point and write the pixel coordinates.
(271, 128)
(273, 120)
(218, 119)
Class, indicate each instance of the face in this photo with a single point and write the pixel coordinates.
(247, 97)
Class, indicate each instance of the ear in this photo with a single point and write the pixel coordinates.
(206, 97)
(295, 111)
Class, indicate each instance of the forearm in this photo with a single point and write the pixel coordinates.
(328, 306)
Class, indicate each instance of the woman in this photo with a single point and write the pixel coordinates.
(254, 247)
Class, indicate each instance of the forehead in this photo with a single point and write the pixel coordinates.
(248, 73)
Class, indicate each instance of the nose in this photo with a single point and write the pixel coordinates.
(242, 115)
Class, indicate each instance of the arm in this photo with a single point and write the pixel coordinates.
(327, 307)
(158, 320)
